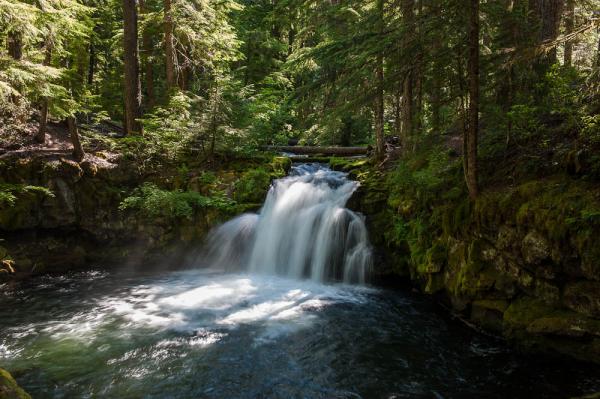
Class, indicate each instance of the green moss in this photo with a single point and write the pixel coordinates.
(499, 305)
(522, 312)
(435, 259)
(281, 166)
(348, 164)
(9, 389)
(252, 187)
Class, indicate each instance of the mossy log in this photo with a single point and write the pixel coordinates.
(312, 150)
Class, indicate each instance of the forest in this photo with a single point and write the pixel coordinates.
(444, 154)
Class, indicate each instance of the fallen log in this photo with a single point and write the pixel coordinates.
(312, 150)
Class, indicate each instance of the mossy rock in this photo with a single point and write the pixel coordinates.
(583, 297)
(565, 324)
(489, 314)
(435, 259)
(9, 389)
(252, 187)
(281, 166)
(522, 312)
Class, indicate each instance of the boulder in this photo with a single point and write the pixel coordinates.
(535, 248)
(583, 297)
(9, 389)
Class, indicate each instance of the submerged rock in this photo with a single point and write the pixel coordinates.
(9, 389)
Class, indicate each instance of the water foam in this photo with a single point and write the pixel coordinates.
(303, 230)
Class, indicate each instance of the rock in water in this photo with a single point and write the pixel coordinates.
(9, 389)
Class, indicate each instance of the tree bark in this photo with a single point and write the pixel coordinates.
(146, 55)
(14, 43)
(133, 89)
(569, 26)
(169, 46)
(311, 150)
(184, 72)
(78, 152)
(473, 124)
(91, 64)
(598, 50)
(379, 104)
(408, 13)
(546, 15)
(40, 137)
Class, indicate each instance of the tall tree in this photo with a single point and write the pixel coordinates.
(408, 13)
(379, 82)
(471, 135)
(40, 137)
(14, 43)
(78, 152)
(133, 89)
(146, 57)
(546, 16)
(169, 45)
(569, 26)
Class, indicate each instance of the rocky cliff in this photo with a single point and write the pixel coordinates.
(56, 214)
(522, 261)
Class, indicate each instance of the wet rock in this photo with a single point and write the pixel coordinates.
(507, 238)
(9, 389)
(489, 313)
(535, 248)
(583, 297)
(565, 325)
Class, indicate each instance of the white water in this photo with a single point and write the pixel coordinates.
(302, 231)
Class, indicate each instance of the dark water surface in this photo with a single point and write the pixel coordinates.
(198, 334)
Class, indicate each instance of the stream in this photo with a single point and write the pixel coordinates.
(277, 307)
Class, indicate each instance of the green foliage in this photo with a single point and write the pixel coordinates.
(590, 131)
(252, 186)
(9, 193)
(152, 202)
(168, 130)
(525, 120)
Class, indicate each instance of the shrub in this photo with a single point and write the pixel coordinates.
(252, 186)
(10, 192)
(153, 202)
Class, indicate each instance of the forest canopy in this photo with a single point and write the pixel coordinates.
(222, 75)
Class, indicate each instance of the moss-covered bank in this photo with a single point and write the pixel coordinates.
(9, 389)
(522, 261)
(56, 214)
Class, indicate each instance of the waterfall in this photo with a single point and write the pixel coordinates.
(303, 230)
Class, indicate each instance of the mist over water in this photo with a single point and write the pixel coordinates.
(303, 230)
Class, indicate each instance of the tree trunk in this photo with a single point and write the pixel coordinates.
(91, 64)
(379, 104)
(14, 43)
(418, 76)
(133, 89)
(169, 46)
(569, 26)
(509, 39)
(398, 110)
(546, 15)
(408, 13)
(78, 152)
(473, 125)
(184, 71)
(40, 137)
(313, 150)
(148, 67)
(598, 50)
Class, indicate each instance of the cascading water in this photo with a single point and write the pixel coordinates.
(302, 230)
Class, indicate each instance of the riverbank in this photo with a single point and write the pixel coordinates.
(516, 263)
(520, 262)
(58, 215)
